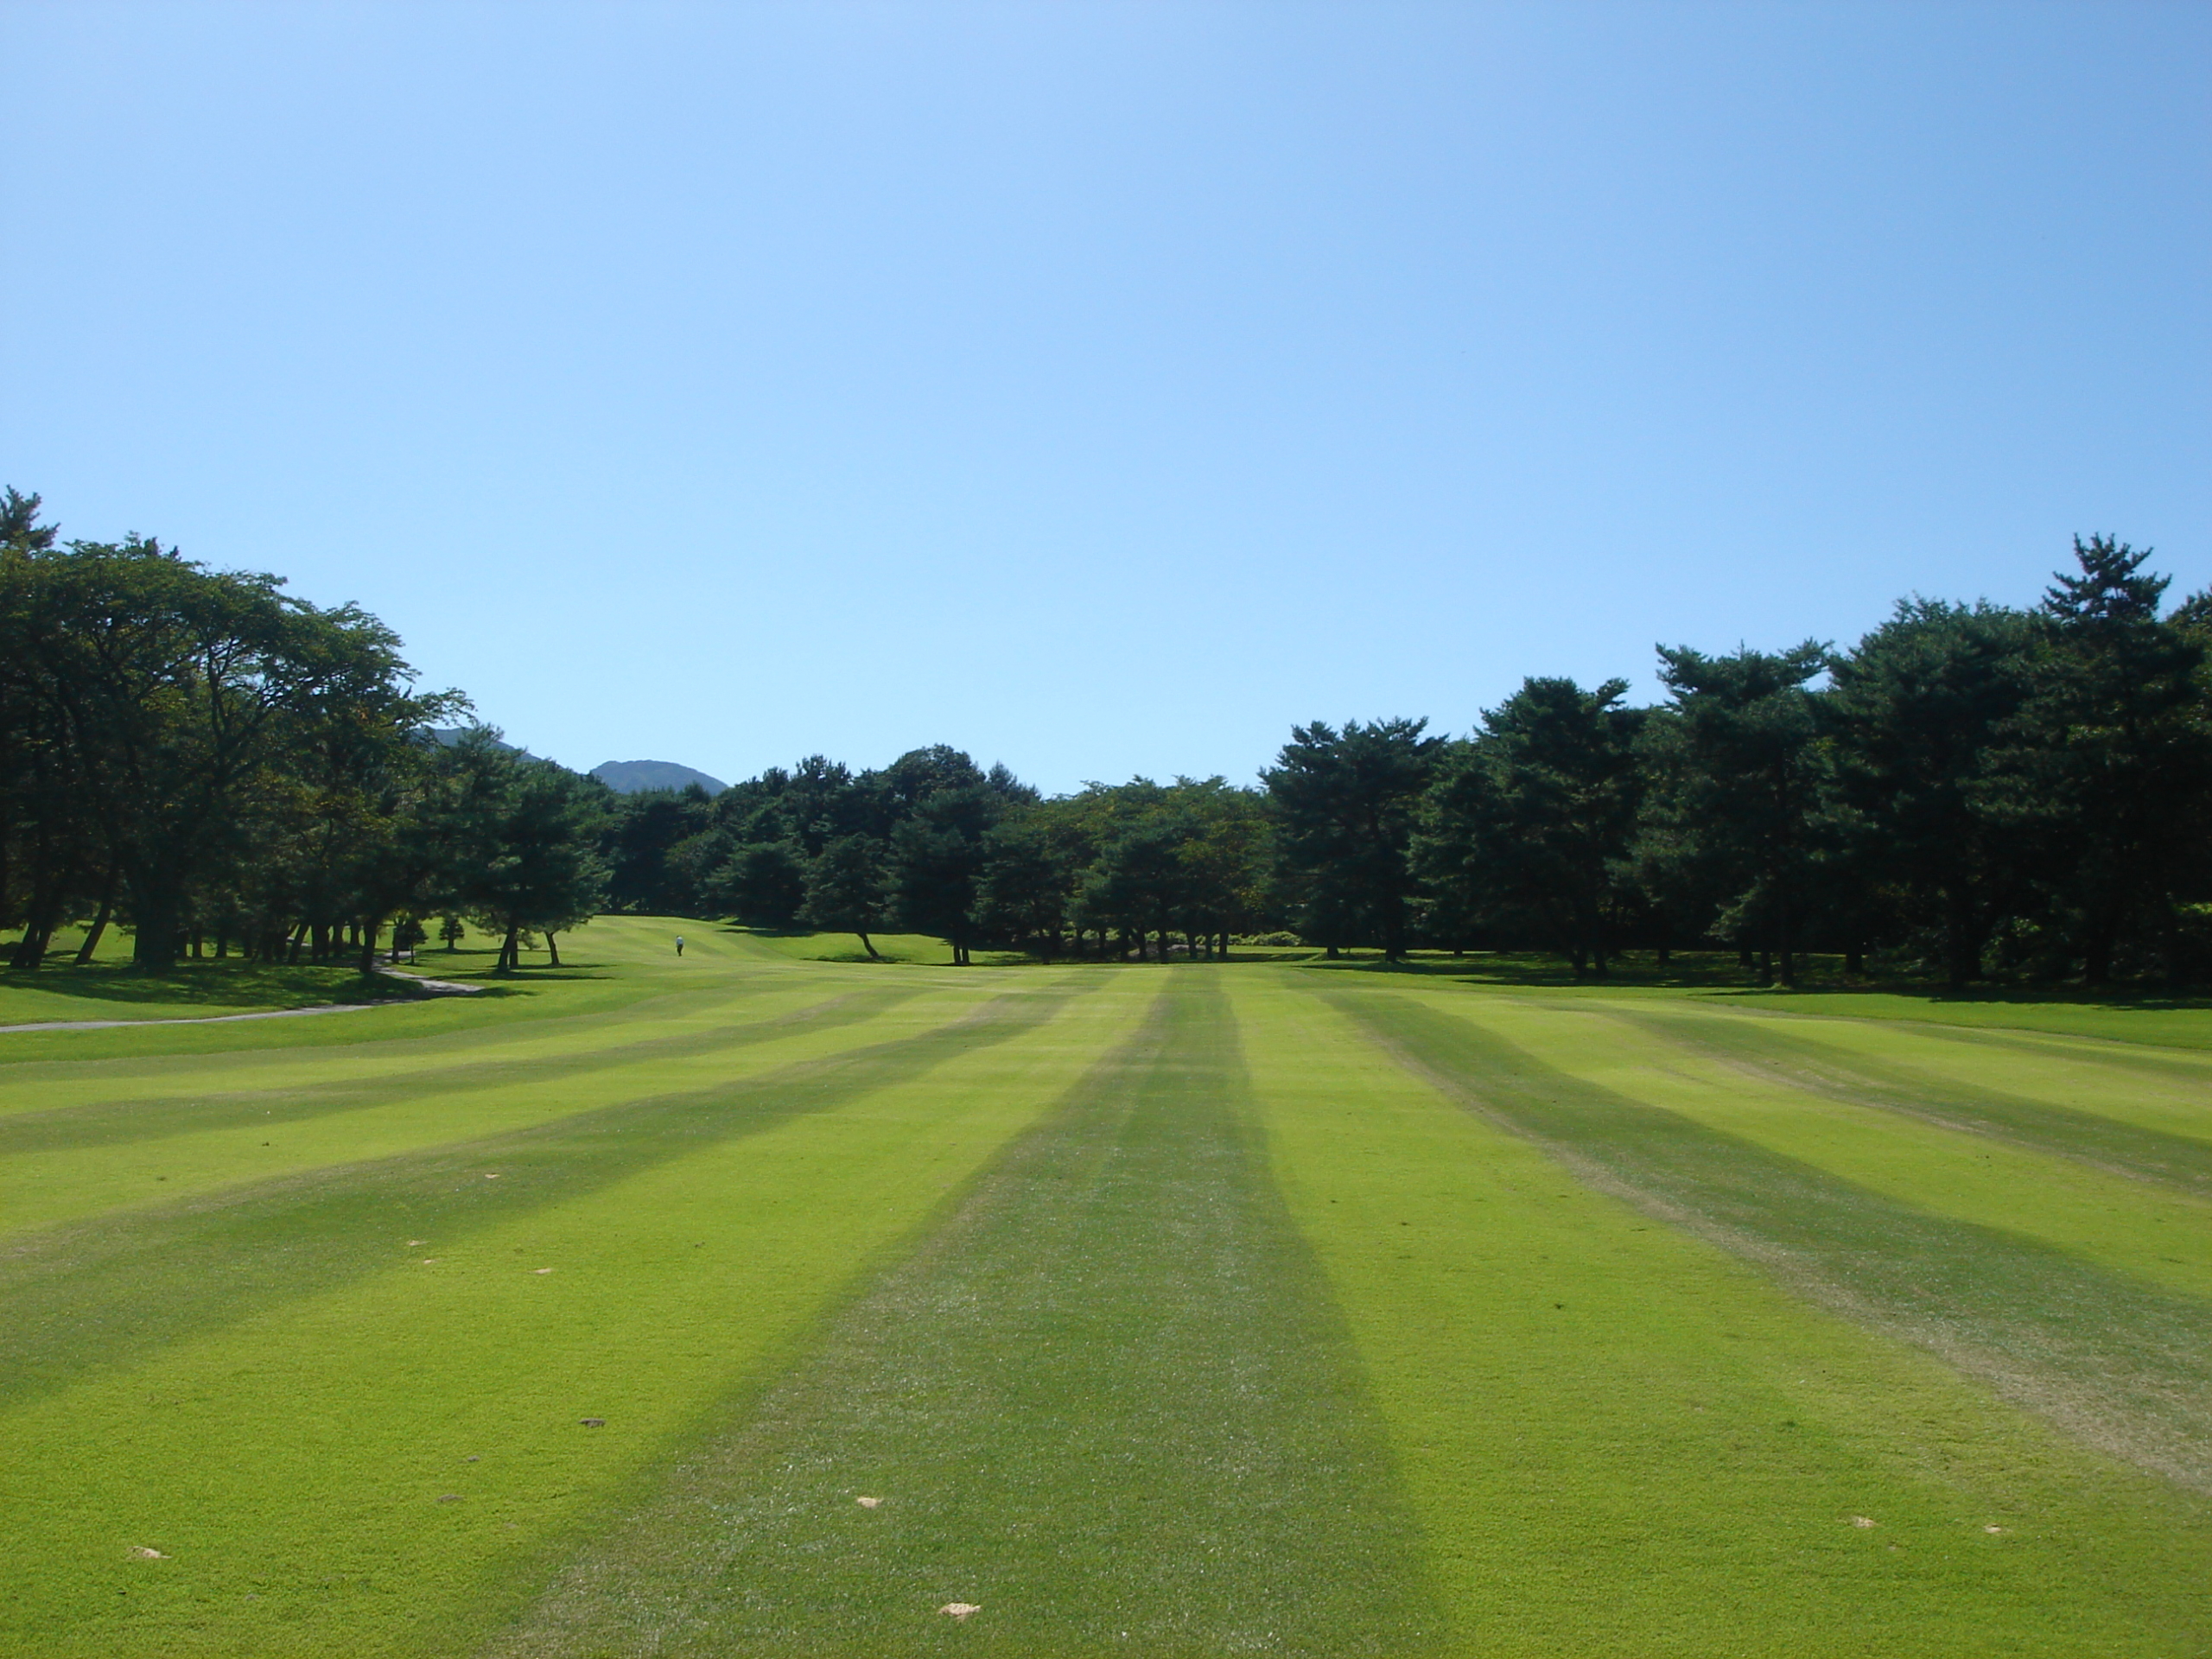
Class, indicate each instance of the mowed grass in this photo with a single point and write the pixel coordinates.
(1203, 1309)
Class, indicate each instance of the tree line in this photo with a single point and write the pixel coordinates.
(224, 768)
(1968, 790)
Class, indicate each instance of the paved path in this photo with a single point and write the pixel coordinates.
(194, 1020)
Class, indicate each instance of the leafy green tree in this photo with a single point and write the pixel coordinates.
(763, 884)
(1744, 798)
(938, 853)
(1920, 712)
(1028, 882)
(1535, 819)
(1226, 850)
(1344, 805)
(844, 889)
(2113, 756)
(50, 840)
(173, 696)
(527, 833)
(1141, 883)
(644, 828)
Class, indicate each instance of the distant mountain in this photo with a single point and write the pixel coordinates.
(450, 735)
(628, 777)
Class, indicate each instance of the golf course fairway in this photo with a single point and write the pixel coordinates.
(1250, 1307)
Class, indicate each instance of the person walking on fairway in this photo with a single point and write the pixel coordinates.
(679, 945)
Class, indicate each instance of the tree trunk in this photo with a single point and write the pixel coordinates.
(99, 923)
(866, 945)
(510, 952)
(38, 932)
(552, 950)
(153, 946)
(1854, 960)
(369, 946)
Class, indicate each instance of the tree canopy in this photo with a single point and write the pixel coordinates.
(202, 756)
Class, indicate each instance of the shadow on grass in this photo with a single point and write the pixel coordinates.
(223, 983)
(1720, 972)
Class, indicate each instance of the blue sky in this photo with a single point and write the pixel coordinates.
(1104, 388)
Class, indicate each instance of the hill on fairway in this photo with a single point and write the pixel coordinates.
(745, 1303)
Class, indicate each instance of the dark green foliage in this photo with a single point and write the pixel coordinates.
(1529, 825)
(763, 883)
(1739, 805)
(1027, 884)
(1919, 713)
(2112, 767)
(195, 749)
(199, 755)
(937, 855)
(644, 830)
(844, 889)
(531, 831)
(202, 759)
(1345, 808)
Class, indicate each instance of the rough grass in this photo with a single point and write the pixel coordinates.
(1270, 1308)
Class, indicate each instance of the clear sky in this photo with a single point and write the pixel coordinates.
(1104, 388)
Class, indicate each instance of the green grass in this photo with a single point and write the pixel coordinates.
(1271, 1307)
(2120, 1015)
(1121, 1293)
(906, 950)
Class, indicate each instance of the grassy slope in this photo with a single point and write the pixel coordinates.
(1250, 1333)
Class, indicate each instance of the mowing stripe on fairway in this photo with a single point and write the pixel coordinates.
(1109, 1402)
(625, 966)
(101, 1292)
(252, 1103)
(374, 1469)
(503, 1009)
(1786, 1052)
(2110, 1359)
(2157, 1088)
(36, 1087)
(49, 1188)
(2123, 1223)
(1621, 1442)
(2000, 1018)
